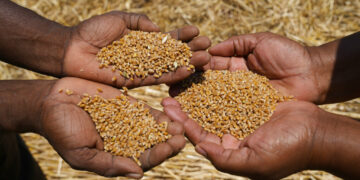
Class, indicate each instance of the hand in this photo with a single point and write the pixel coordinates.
(289, 65)
(72, 133)
(280, 147)
(91, 35)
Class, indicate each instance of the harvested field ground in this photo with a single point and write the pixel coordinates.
(312, 22)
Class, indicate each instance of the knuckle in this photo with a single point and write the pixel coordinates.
(204, 40)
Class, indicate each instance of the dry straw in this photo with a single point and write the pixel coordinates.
(225, 102)
(311, 22)
(126, 128)
(140, 54)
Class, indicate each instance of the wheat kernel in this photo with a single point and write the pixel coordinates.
(69, 92)
(113, 79)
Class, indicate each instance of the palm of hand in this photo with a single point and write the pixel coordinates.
(72, 133)
(93, 34)
(285, 62)
(275, 150)
(287, 65)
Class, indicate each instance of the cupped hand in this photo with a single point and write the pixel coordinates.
(91, 35)
(72, 133)
(278, 148)
(288, 64)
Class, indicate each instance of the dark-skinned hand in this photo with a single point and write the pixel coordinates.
(72, 133)
(288, 64)
(278, 148)
(91, 35)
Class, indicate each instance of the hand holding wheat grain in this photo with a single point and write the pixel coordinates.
(91, 35)
(289, 65)
(298, 136)
(72, 132)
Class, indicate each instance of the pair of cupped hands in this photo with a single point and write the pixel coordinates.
(276, 149)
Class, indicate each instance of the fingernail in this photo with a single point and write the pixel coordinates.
(133, 175)
(200, 151)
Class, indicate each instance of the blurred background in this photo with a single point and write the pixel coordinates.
(311, 22)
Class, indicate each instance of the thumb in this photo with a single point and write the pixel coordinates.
(103, 163)
(241, 45)
(139, 22)
(237, 161)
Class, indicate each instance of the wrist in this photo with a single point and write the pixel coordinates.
(59, 52)
(335, 146)
(21, 104)
(31, 41)
(336, 66)
(319, 156)
(52, 52)
(322, 66)
(56, 53)
(43, 93)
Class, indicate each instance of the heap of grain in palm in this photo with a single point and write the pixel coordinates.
(140, 54)
(127, 128)
(225, 102)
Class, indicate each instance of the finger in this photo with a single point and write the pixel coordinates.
(232, 161)
(230, 142)
(145, 24)
(185, 34)
(157, 115)
(255, 65)
(199, 43)
(193, 131)
(226, 63)
(170, 102)
(200, 58)
(139, 22)
(177, 143)
(235, 46)
(160, 152)
(101, 30)
(156, 155)
(103, 163)
(173, 128)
